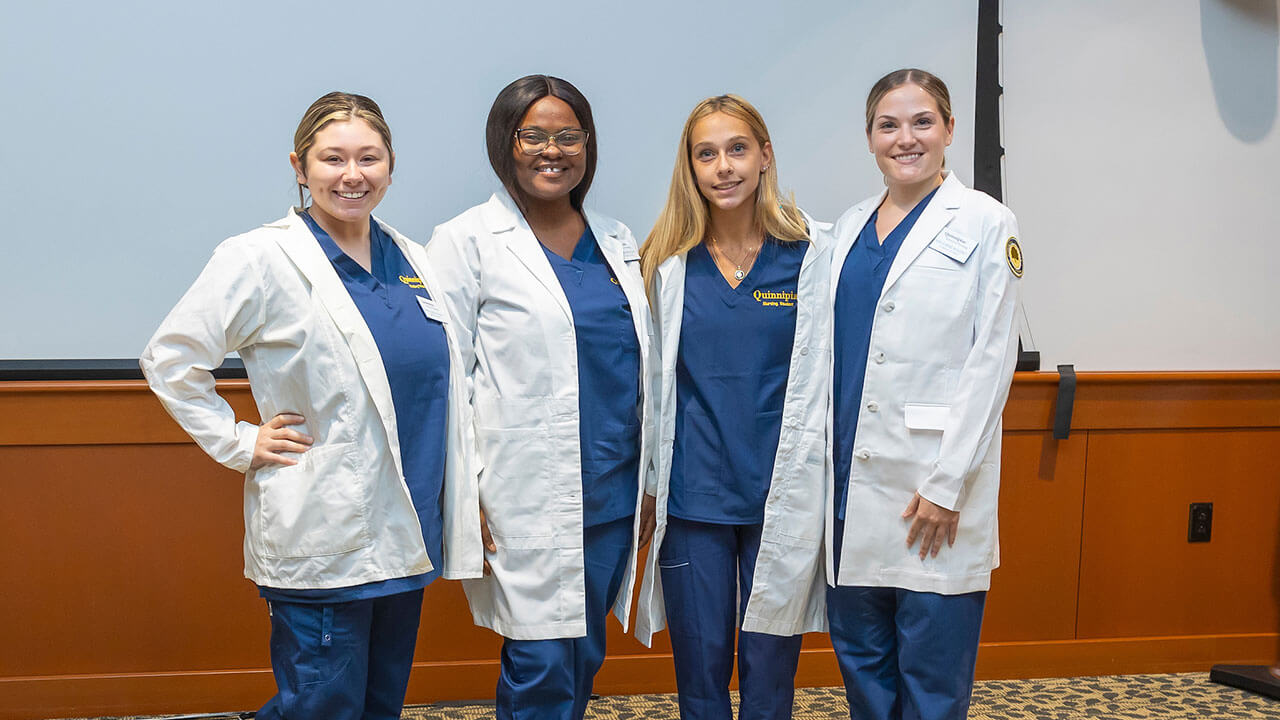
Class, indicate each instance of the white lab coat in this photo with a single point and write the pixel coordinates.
(788, 595)
(519, 350)
(343, 515)
(943, 348)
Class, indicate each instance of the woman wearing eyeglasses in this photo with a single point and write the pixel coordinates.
(555, 333)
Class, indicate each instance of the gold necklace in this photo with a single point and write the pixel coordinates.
(738, 273)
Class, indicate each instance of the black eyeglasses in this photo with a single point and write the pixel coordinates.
(535, 141)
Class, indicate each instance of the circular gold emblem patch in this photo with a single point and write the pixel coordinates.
(1013, 252)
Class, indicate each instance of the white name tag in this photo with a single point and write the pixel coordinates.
(956, 248)
(431, 310)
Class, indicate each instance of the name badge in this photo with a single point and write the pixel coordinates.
(431, 310)
(956, 248)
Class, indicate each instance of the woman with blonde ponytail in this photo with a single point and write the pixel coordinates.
(737, 277)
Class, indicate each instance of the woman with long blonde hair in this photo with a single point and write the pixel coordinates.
(737, 277)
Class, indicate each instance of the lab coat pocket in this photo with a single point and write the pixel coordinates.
(514, 489)
(925, 423)
(932, 259)
(921, 416)
(315, 508)
(524, 582)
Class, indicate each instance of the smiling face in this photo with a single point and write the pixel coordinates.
(909, 136)
(550, 176)
(347, 170)
(727, 161)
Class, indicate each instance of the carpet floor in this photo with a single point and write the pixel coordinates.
(1187, 696)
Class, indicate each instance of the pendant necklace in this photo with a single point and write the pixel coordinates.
(738, 273)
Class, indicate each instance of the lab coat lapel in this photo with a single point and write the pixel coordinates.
(617, 254)
(817, 240)
(506, 221)
(307, 255)
(848, 236)
(670, 297)
(931, 222)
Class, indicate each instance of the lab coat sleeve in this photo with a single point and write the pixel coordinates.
(454, 255)
(987, 371)
(222, 312)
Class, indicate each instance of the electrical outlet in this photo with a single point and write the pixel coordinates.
(1200, 522)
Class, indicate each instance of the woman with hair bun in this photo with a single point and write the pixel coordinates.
(555, 336)
(738, 280)
(926, 278)
(358, 492)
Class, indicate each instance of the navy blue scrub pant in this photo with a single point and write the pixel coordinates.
(344, 661)
(904, 655)
(551, 679)
(707, 571)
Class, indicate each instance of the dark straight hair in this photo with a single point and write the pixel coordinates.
(505, 115)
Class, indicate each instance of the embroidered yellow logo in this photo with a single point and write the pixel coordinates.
(413, 282)
(774, 299)
(1013, 253)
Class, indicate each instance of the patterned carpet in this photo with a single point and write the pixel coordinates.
(1187, 696)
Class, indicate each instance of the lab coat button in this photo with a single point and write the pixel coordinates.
(879, 357)
(889, 306)
(804, 351)
(873, 406)
(864, 455)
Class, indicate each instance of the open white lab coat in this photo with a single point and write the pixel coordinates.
(343, 515)
(942, 353)
(788, 595)
(519, 351)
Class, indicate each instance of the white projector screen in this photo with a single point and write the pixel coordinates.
(1142, 152)
(138, 134)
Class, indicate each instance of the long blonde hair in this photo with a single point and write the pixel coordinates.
(684, 220)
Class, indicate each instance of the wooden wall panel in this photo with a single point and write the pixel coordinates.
(130, 562)
(1139, 575)
(120, 551)
(1033, 592)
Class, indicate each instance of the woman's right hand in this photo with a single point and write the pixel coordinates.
(487, 539)
(275, 437)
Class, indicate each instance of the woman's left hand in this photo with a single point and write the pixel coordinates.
(932, 524)
(648, 519)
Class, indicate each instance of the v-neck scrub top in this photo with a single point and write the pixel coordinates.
(861, 281)
(731, 376)
(415, 354)
(608, 382)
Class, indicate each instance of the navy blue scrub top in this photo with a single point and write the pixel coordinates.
(415, 353)
(731, 379)
(608, 382)
(861, 281)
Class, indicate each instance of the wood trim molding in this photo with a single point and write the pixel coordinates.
(1149, 400)
(98, 412)
(112, 412)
